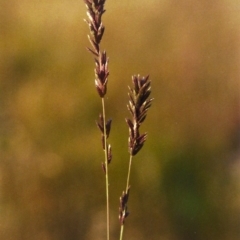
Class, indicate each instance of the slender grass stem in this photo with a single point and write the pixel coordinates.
(129, 171)
(127, 187)
(106, 169)
(121, 232)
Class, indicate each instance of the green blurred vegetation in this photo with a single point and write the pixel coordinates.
(185, 183)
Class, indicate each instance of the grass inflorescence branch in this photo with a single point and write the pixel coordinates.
(138, 105)
(95, 10)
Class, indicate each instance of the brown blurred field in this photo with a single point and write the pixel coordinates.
(185, 183)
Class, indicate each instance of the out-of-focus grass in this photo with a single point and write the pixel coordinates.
(51, 182)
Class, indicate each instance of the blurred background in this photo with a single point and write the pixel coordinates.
(185, 182)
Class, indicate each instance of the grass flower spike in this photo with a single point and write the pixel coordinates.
(138, 105)
(95, 10)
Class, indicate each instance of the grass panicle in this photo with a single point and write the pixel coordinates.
(138, 106)
(95, 10)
